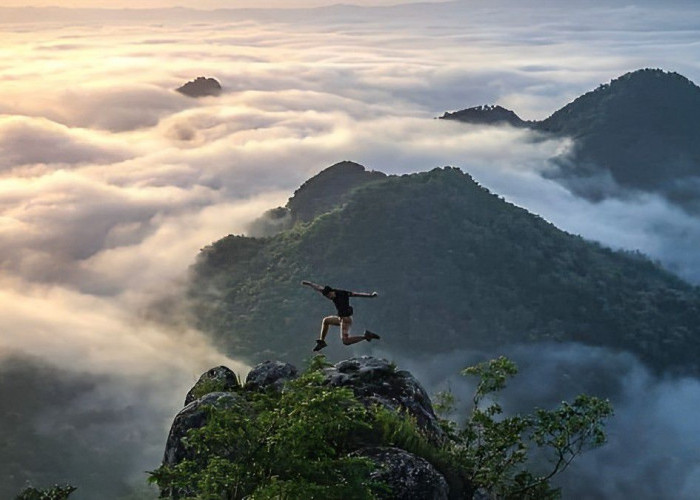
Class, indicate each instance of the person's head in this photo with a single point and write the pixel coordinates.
(328, 292)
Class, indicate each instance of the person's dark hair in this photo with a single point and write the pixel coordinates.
(326, 290)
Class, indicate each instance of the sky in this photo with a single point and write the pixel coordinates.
(111, 182)
(201, 4)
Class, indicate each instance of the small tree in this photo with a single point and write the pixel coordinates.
(491, 450)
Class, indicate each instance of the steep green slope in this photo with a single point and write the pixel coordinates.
(644, 128)
(455, 267)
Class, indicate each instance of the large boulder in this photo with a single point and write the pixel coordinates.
(376, 381)
(219, 379)
(194, 416)
(270, 375)
(408, 476)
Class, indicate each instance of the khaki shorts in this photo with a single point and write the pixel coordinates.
(344, 322)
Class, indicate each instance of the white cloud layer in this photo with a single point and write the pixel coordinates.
(110, 181)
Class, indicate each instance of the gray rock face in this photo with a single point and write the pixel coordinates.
(410, 477)
(270, 374)
(194, 416)
(219, 379)
(375, 380)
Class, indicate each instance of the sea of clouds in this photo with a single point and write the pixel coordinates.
(110, 181)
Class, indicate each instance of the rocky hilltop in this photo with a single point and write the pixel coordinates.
(372, 381)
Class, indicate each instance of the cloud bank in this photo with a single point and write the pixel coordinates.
(110, 181)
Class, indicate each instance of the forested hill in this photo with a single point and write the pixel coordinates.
(640, 131)
(643, 128)
(455, 267)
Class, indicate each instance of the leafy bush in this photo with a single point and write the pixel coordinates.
(55, 493)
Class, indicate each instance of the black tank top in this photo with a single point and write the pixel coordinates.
(342, 303)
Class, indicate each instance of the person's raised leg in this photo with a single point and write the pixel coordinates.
(345, 324)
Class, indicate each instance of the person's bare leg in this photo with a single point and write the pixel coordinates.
(327, 321)
(345, 324)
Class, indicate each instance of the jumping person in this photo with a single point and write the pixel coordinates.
(341, 300)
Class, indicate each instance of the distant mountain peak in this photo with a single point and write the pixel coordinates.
(328, 188)
(320, 194)
(642, 128)
(486, 114)
(649, 74)
(651, 94)
(201, 87)
(639, 132)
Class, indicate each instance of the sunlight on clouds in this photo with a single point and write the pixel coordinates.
(25, 141)
(88, 333)
(111, 181)
(157, 260)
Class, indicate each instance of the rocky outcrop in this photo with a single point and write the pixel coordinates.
(219, 379)
(409, 477)
(194, 416)
(270, 374)
(376, 381)
(201, 87)
(372, 380)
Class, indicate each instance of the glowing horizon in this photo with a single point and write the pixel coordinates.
(206, 4)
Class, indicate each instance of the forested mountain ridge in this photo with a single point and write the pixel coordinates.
(641, 131)
(455, 267)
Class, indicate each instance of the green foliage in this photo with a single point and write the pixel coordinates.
(492, 374)
(207, 386)
(296, 446)
(54, 493)
(402, 431)
(492, 450)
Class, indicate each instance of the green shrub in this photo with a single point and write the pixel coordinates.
(55, 493)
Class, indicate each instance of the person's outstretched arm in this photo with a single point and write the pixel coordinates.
(364, 294)
(313, 285)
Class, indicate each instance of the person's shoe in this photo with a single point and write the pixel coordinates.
(320, 344)
(371, 335)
